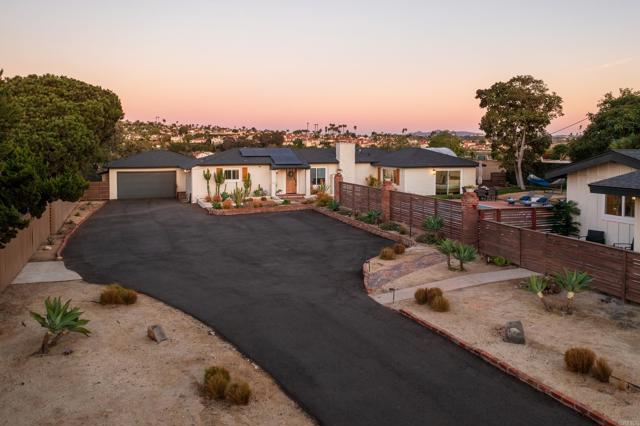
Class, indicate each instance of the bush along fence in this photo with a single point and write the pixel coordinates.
(615, 271)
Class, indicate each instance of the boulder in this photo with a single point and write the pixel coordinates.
(156, 333)
(514, 332)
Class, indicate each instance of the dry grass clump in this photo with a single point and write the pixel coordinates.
(432, 293)
(421, 296)
(440, 304)
(115, 294)
(398, 248)
(238, 393)
(387, 253)
(579, 360)
(216, 386)
(213, 370)
(601, 370)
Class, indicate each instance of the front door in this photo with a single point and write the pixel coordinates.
(291, 181)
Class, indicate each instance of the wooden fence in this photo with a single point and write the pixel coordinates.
(412, 210)
(537, 218)
(360, 198)
(18, 251)
(614, 271)
(97, 190)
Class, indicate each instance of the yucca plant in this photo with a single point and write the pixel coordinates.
(218, 179)
(447, 247)
(373, 217)
(238, 196)
(206, 174)
(572, 282)
(464, 253)
(433, 224)
(538, 284)
(59, 320)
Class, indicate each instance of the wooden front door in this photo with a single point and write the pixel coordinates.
(291, 181)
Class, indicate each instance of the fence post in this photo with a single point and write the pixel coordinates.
(385, 200)
(498, 218)
(469, 203)
(410, 214)
(368, 199)
(624, 278)
(337, 185)
(534, 219)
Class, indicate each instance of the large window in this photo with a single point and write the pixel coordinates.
(619, 205)
(392, 175)
(447, 182)
(318, 176)
(232, 174)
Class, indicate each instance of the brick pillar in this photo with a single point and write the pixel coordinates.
(387, 187)
(470, 218)
(337, 180)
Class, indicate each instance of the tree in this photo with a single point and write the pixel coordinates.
(446, 139)
(518, 112)
(563, 219)
(615, 125)
(559, 152)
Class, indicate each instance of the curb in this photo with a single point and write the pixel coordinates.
(73, 231)
(274, 209)
(581, 408)
(373, 229)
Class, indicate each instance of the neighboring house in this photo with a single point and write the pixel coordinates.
(288, 171)
(590, 183)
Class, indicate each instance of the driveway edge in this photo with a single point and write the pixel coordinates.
(581, 408)
(73, 231)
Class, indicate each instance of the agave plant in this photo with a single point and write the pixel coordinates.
(447, 247)
(218, 178)
(238, 196)
(464, 253)
(206, 174)
(59, 320)
(572, 282)
(538, 284)
(373, 217)
(433, 224)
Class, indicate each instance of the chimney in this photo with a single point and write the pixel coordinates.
(346, 156)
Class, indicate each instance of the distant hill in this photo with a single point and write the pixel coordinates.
(462, 134)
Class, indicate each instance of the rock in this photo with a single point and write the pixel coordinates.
(514, 332)
(156, 333)
(67, 352)
(47, 248)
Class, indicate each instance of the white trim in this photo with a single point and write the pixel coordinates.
(613, 218)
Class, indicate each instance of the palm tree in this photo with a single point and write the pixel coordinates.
(538, 284)
(447, 247)
(464, 253)
(572, 282)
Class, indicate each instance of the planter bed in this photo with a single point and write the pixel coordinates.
(374, 229)
(254, 210)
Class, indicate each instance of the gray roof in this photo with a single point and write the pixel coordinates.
(153, 159)
(317, 155)
(628, 157)
(370, 155)
(232, 157)
(418, 157)
(627, 184)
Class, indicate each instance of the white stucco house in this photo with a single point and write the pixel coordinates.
(600, 186)
(288, 171)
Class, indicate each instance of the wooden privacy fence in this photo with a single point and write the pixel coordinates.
(614, 271)
(413, 209)
(360, 198)
(537, 218)
(18, 251)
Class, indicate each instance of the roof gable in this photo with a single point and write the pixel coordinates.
(628, 157)
(153, 159)
(419, 157)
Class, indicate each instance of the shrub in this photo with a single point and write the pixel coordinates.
(59, 320)
(433, 224)
(225, 196)
(572, 282)
(115, 294)
(216, 386)
(601, 370)
(538, 284)
(323, 199)
(424, 238)
(227, 204)
(372, 217)
(256, 204)
(447, 247)
(398, 248)
(238, 196)
(387, 253)
(464, 253)
(333, 205)
(440, 304)
(432, 293)
(403, 230)
(238, 393)
(579, 360)
(286, 202)
(216, 205)
(263, 198)
(259, 192)
(499, 261)
(390, 226)
(421, 296)
(216, 198)
(213, 370)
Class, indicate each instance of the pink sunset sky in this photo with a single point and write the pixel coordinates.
(382, 66)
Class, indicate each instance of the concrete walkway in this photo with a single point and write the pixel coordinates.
(45, 272)
(456, 283)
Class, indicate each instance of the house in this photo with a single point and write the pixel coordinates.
(289, 171)
(600, 187)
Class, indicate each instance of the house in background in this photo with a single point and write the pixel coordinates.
(591, 184)
(289, 172)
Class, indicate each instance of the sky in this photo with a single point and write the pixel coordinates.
(379, 65)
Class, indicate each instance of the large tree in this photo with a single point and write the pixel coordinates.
(446, 139)
(518, 112)
(615, 125)
(53, 130)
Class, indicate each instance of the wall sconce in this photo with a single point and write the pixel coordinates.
(433, 171)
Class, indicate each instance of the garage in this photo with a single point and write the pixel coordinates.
(146, 185)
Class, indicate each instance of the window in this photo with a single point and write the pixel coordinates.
(318, 176)
(447, 182)
(232, 174)
(391, 174)
(619, 205)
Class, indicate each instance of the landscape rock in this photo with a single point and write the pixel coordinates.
(514, 332)
(156, 333)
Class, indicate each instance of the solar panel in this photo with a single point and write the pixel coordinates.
(279, 156)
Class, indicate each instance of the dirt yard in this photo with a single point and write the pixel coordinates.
(420, 264)
(118, 376)
(49, 249)
(610, 329)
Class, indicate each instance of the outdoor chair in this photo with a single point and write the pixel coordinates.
(482, 193)
(542, 201)
(492, 194)
(594, 236)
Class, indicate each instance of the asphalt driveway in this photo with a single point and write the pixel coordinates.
(286, 290)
